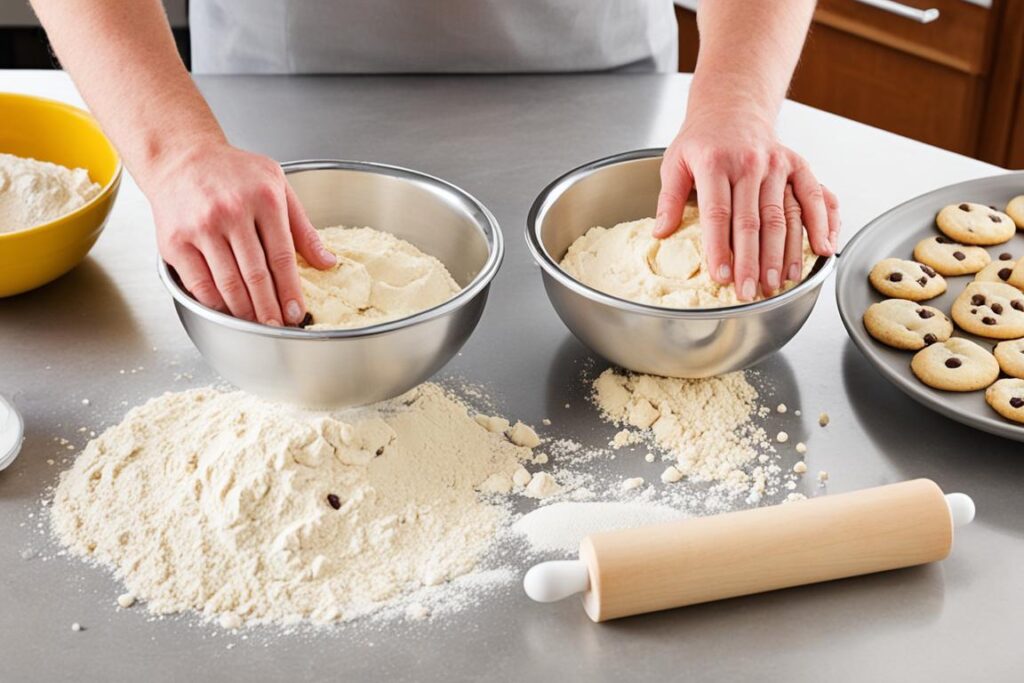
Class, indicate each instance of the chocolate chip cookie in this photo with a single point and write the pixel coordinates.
(950, 258)
(1010, 355)
(997, 271)
(1015, 210)
(1017, 275)
(902, 279)
(906, 325)
(975, 224)
(990, 309)
(1007, 398)
(955, 365)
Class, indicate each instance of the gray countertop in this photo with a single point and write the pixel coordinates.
(503, 139)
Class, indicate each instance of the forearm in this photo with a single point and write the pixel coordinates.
(123, 59)
(748, 52)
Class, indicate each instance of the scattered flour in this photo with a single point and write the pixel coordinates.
(560, 527)
(706, 424)
(35, 192)
(378, 277)
(251, 512)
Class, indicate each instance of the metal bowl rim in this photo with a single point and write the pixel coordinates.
(558, 186)
(496, 251)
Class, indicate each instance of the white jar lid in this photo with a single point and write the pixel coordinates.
(12, 433)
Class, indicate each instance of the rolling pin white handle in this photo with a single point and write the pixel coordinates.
(557, 580)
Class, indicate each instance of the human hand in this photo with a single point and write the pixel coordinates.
(229, 224)
(755, 196)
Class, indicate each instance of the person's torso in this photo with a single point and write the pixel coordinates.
(414, 36)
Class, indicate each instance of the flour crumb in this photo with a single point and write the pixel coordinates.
(822, 477)
(498, 425)
(523, 435)
(416, 612)
(76, 627)
(824, 419)
(801, 447)
(546, 422)
(542, 485)
(497, 483)
(632, 483)
(794, 497)
(521, 477)
(782, 437)
(125, 600)
(781, 408)
(541, 458)
(800, 467)
(649, 457)
(230, 621)
(671, 475)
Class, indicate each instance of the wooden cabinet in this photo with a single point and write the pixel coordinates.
(955, 82)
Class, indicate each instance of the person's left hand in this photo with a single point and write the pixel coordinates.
(756, 198)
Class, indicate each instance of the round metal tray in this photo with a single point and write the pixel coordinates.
(895, 233)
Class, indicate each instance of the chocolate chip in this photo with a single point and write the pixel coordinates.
(974, 311)
(1005, 256)
(959, 255)
(1017, 305)
(994, 218)
(928, 270)
(953, 363)
(943, 240)
(924, 313)
(1017, 402)
(895, 277)
(930, 339)
(1004, 274)
(988, 320)
(978, 300)
(922, 281)
(964, 207)
(380, 451)
(307, 320)
(334, 501)
(992, 207)
(997, 308)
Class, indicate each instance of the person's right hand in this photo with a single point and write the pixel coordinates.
(229, 224)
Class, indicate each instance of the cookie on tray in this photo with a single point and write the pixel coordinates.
(1007, 398)
(997, 271)
(906, 325)
(901, 279)
(1010, 355)
(955, 365)
(950, 258)
(971, 223)
(1015, 210)
(990, 309)
(1017, 275)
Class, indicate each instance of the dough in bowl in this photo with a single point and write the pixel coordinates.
(628, 262)
(378, 278)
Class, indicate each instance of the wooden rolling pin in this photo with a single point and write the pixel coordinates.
(646, 569)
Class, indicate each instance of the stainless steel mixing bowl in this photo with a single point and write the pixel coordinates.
(340, 368)
(638, 337)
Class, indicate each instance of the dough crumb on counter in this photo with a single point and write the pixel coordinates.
(800, 467)
(824, 419)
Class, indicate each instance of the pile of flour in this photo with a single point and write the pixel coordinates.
(252, 512)
(628, 262)
(707, 425)
(36, 192)
(378, 277)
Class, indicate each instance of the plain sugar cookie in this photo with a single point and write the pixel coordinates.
(1007, 398)
(1015, 210)
(902, 279)
(1010, 355)
(950, 258)
(990, 309)
(906, 325)
(971, 223)
(955, 365)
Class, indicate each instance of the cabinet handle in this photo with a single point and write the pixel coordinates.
(923, 16)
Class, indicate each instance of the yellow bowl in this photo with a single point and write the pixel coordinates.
(59, 133)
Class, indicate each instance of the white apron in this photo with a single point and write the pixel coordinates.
(432, 36)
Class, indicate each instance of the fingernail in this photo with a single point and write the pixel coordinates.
(748, 289)
(272, 323)
(292, 312)
(724, 272)
(660, 222)
(773, 278)
(794, 272)
(328, 257)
